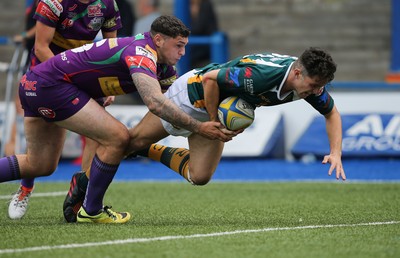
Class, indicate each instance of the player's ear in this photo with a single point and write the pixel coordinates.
(297, 73)
(158, 39)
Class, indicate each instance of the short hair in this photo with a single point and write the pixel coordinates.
(169, 25)
(318, 63)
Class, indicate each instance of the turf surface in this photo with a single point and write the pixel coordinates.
(175, 219)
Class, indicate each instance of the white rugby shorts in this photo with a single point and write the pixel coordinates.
(178, 94)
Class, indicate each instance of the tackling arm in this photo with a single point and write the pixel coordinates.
(158, 104)
(334, 131)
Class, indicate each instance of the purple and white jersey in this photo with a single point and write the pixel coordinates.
(60, 87)
(104, 68)
(76, 23)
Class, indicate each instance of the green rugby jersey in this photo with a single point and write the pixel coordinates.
(256, 78)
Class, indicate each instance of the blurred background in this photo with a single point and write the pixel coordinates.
(363, 36)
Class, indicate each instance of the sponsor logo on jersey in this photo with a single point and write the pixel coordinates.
(233, 76)
(94, 10)
(96, 23)
(72, 8)
(46, 12)
(141, 62)
(110, 23)
(47, 112)
(54, 6)
(248, 85)
(112, 43)
(67, 23)
(110, 86)
(71, 15)
(148, 48)
(248, 72)
(147, 52)
(63, 56)
(168, 81)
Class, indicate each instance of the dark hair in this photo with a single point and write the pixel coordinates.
(318, 63)
(170, 26)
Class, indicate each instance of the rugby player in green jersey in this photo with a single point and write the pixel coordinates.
(264, 79)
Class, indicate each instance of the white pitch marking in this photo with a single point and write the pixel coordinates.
(167, 238)
(49, 194)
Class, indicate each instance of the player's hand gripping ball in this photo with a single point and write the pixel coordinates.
(235, 113)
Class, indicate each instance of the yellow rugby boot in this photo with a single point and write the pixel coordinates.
(105, 216)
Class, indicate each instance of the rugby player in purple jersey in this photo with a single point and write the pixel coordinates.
(59, 94)
(62, 25)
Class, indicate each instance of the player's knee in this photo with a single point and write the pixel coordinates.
(120, 140)
(139, 144)
(45, 169)
(199, 180)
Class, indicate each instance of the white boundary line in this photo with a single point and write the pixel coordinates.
(48, 194)
(167, 238)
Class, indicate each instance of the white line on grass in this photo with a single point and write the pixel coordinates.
(49, 194)
(166, 238)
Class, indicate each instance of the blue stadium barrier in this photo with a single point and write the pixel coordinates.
(395, 58)
(219, 47)
(4, 40)
(218, 41)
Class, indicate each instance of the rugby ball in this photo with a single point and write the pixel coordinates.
(235, 113)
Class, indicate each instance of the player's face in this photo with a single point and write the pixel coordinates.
(305, 86)
(171, 49)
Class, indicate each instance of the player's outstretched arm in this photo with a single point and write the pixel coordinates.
(334, 131)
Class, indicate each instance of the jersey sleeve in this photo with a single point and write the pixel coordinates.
(48, 12)
(251, 79)
(113, 19)
(140, 60)
(166, 75)
(323, 103)
(230, 79)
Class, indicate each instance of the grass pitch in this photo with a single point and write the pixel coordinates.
(176, 219)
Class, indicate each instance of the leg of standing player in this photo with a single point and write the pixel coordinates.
(44, 149)
(19, 201)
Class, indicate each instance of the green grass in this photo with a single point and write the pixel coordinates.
(178, 209)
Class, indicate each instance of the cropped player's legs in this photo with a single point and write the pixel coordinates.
(89, 151)
(44, 146)
(197, 165)
(19, 201)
